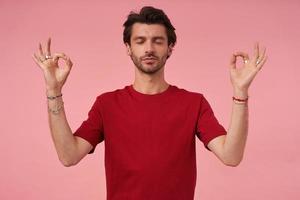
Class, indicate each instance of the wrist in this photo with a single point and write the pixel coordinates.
(53, 92)
(240, 101)
(240, 94)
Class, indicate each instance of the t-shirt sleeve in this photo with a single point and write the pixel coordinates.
(208, 126)
(92, 128)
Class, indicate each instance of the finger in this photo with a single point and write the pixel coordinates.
(41, 50)
(260, 65)
(256, 51)
(244, 55)
(41, 53)
(36, 59)
(48, 46)
(59, 55)
(232, 63)
(69, 62)
(39, 58)
(261, 57)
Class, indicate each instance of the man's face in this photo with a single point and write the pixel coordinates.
(149, 47)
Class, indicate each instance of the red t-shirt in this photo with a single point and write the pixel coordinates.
(150, 141)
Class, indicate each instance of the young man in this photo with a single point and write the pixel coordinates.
(149, 127)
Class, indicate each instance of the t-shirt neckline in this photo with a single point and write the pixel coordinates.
(160, 95)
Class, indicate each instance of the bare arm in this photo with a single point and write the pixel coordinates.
(70, 149)
(230, 148)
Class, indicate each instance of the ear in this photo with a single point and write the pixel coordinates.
(128, 49)
(170, 49)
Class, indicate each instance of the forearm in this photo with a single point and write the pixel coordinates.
(235, 141)
(61, 132)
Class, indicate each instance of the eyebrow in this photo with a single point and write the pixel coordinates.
(155, 38)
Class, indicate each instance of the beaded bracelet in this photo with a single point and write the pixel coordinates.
(52, 98)
(240, 101)
(58, 108)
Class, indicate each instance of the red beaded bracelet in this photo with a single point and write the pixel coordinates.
(240, 100)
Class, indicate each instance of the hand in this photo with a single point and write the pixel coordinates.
(242, 78)
(55, 76)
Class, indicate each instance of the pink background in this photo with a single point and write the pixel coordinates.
(91, 34)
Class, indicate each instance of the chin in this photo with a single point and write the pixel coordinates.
(150, 70)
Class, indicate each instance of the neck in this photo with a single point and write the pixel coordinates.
(150, 84)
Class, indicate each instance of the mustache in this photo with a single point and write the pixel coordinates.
(150, 55)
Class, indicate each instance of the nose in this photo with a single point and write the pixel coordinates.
(149, 48)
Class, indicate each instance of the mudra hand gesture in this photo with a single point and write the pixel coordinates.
(241, 78)
(55, 76)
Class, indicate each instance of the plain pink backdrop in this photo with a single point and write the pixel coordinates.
(208, 32)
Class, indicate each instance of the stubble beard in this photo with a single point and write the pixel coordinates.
(160, 63)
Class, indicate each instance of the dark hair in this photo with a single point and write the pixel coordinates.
(149, 15)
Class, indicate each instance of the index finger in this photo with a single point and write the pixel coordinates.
(244, 55)
(48, 46)
(59, 55)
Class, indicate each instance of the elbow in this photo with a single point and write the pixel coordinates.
(67, 163)
(232, 163)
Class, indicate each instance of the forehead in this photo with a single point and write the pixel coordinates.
(148, 30)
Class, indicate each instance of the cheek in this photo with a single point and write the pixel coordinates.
(136, 53)
(134, 56)
(165, 53)
(163, 50)
(134, 50)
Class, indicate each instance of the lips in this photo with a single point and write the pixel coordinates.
(149, 61)
(149, 58)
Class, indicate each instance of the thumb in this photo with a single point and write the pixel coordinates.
(232, 63)
(69, 62)
(63, 56)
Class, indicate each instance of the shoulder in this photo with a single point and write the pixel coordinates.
(189, 93)
(107, 96)
(195, 98)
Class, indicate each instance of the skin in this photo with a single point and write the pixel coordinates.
(150, 41)
(230, 148)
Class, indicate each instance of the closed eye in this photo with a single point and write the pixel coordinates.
(139, 42)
